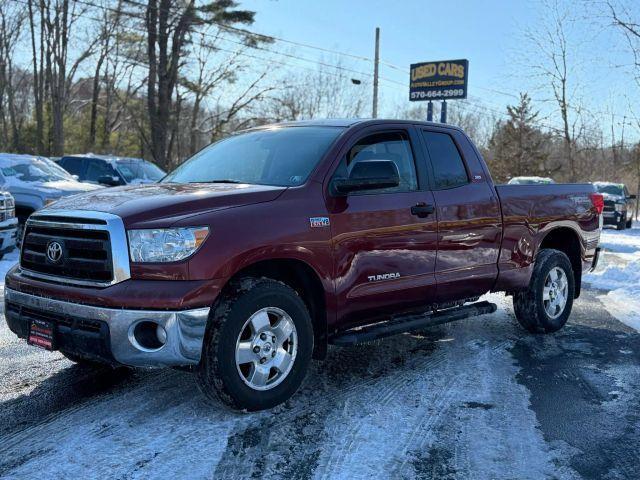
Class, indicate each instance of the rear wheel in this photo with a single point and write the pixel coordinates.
(257, 347)
(545, 305)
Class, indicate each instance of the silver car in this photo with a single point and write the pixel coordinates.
(36, 182)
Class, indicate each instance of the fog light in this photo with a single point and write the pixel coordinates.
(148, 336)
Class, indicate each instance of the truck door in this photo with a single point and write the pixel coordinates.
(469, 219)
(383, 240)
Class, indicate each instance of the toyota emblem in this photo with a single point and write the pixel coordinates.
(54, 251)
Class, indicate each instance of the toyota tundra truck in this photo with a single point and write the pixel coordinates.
(264, 248)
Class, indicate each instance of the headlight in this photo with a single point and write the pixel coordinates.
(165, 244)
(619, 207)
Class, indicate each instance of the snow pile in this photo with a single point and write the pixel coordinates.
(619, 273)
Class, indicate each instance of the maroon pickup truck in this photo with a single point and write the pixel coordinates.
(245, 262)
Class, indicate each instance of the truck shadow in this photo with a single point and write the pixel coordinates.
(64, 389)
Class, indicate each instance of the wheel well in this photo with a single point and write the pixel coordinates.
(566, 240)
(304, 280)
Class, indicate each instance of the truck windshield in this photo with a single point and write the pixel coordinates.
(32, 169)
(610, 189)
(136, 169)
(281, 156)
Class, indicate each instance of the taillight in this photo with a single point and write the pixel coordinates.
(598, 202)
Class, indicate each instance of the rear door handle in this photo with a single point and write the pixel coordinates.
(422, 210)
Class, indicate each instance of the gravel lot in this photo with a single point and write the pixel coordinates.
(475, 399)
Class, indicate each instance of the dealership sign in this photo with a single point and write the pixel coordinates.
(446, 80)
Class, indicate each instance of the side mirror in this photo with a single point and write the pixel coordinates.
(110, 180)
(368, 175)
(632, 197)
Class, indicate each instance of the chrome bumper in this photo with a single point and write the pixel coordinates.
(8, 234)
(185, 329)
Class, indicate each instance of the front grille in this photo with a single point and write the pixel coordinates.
(609, 206)
(86, 253)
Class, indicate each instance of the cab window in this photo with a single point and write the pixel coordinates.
(448, 167)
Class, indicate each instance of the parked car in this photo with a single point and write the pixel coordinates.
(8, 223)
(111, 171)
(36, 182)
(618, 204)
(262, 249)
(530, 181)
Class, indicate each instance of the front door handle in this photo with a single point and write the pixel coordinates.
(422, 210)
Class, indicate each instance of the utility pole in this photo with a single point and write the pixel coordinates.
(443, 112)
(375, 74)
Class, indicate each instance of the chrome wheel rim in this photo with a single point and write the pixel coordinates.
(555, 292)
(266, 348)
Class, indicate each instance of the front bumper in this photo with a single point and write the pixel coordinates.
(107, 334)
(8, 235)
(611, 217)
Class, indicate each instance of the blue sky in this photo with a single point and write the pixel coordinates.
(487, 33)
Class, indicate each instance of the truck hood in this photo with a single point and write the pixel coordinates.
(161, 204)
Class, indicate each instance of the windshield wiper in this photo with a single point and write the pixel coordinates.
(224, 180)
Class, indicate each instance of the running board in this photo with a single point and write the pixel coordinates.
(409, 323)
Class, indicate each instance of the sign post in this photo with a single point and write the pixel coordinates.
(442, 80)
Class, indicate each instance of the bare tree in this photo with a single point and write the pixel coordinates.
(168, 27)
(554, 62)
(11, 20)
(324, 92)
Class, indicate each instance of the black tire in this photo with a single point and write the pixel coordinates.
(622, 224)
(218, 375)
(528, 304)
(630, 223)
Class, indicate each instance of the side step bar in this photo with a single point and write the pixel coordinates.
(409, 323)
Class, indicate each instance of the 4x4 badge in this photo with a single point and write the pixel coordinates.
(319, 222)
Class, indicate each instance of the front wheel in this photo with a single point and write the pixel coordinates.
(257, 347)
(545, 305)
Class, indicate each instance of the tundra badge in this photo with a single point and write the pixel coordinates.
(384, 276)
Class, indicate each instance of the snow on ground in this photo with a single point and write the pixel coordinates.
(475, 399)
(618, 273)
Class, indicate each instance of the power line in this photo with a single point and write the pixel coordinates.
(246, 32)
(237, 30)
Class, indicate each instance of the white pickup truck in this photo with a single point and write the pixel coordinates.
(8, 223)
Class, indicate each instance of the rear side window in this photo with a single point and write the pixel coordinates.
(448, 167)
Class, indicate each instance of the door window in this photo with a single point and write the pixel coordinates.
(99, 168)
(448, 168)
(72, 165)
(394, 146)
